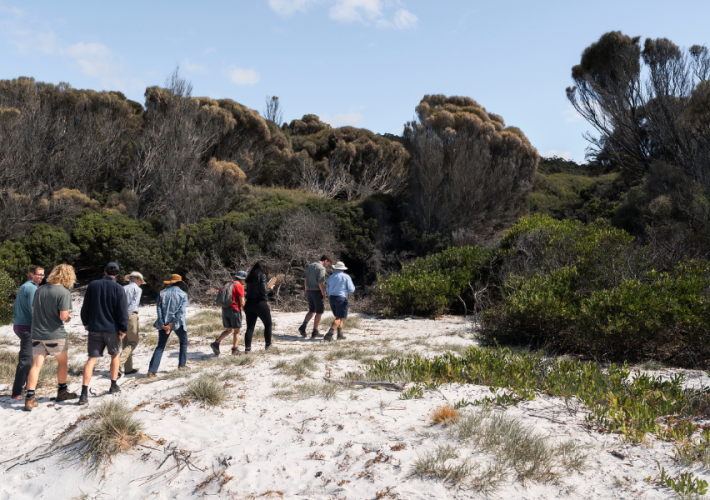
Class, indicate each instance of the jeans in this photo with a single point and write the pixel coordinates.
(253, 311)
(24, 362)
(162, 340)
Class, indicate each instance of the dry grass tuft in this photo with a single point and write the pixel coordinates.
(445, 414)
(206, 389)
(299, 367)
(114, 430)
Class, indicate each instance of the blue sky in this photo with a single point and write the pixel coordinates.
(352, 62)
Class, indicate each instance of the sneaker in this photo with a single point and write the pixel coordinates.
(341, 336)
(150, 375)
(131, 372)
(215, 347)
(316, 335)
(328, 337)
(30, 403)
(65, 395)
(183, 368)
(115, 389)
(84, 399)
(302, 331)
(236, 352)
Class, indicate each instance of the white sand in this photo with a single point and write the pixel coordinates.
(315, 448)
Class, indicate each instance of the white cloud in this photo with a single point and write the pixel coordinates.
(571, 115)
(561, 154)
(98, 61)
(191, 67)
(367, 12)
(342, 119)
(286, 8)
(240, 76)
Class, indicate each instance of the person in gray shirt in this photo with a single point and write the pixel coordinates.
(314, 292)
(130, 341)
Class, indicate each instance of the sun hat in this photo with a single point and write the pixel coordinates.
(241, 275)
(174, 278)
(134, 274)
(339, 266)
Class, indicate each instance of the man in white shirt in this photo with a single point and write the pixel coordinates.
(130, 341)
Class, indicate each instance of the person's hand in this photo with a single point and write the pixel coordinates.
(121, 335)
(86, 327)
(166, 328)
(305, 294)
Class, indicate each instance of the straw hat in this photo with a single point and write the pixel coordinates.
(174, 278)
(134, 274)
(339, 266)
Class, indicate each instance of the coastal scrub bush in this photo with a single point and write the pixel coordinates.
(7, 294)
(98, 234)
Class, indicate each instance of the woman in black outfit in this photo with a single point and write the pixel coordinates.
(256, 305)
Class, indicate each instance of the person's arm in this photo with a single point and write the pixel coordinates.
(263, 281)
(86, 308)
(322, 290)
(64, 316)
(159, 307)
(65, 305)
(31, 297)
(181, 312)
(122, 310)
(351, 286)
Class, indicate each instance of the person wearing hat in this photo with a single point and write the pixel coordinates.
(130, 341)
(172, 307)
(338, 288)
(105, 316)
(232, 315)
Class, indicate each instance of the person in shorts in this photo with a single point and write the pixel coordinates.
(314, 292)
(104, 314)
(50, 310)
(22, 326)
(232, 316)
(339, 288)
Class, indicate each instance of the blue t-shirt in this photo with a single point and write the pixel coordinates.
(22, 309)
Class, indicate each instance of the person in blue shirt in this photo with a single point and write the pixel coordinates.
(22, 326)
(338, 288)
(172, 307)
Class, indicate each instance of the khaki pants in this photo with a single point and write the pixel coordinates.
(130, 342)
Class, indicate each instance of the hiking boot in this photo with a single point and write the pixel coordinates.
(215, 347)
(65, 395)
(328, 337)
(302, 331)
(115, 389)
(131, 372)
(150, 375)
(30, 403)
(316, 335)
(341, 336)
(236, 352)
(84, 399)
(183, 368)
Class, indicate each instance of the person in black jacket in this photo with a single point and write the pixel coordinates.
(256, 305)
(105, 315)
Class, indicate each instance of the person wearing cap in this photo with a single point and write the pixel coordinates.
(105, 316)
(232, 315)
(172, 307)
(338, 287)
(130, 341)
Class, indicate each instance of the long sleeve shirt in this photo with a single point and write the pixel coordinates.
(133, 297)
(339, 285)
(22, 308)
(172, 307)
(104, 307)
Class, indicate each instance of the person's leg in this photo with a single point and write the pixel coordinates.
(309, 314)
(158, 353)
(265, 317)
(182, 336)
(88, 371)
(24, 363)
(251, 323)
(115, 363)
(316, 322)
(63, 393)
(237, 331)
(225, 334)
(33, 376)
(129, 344)
(319, 308)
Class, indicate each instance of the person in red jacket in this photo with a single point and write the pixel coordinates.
(232, 316)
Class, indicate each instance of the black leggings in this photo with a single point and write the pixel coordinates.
(253, 311)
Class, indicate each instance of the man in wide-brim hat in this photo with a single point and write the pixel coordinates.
(172, 307)
(130, 341)
(339, 287)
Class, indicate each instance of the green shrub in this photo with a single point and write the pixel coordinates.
(435, 284)
(7, 294)
(49, 246)
(147, 254)
(98, 234)
(14, 259)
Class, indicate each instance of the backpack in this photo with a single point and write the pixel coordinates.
(224, 297)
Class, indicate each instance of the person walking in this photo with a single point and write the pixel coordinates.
(130, 341)
(314, 292)
(256, 305)
(339, 286)
(50, 310)
(22, 326)
(172, 307)
(105, 316)
(232, 315)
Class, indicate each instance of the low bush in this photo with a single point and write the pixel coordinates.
(98, 234)
(206, 389)
(7, 294)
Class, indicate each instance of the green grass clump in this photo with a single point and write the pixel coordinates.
(206, 389)
(631, 406)
(299, 367)
(114, 430)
